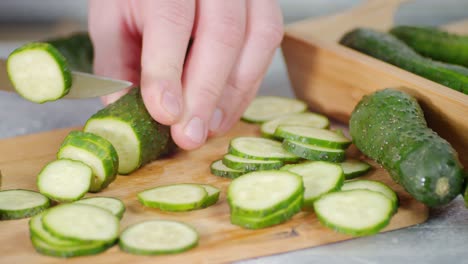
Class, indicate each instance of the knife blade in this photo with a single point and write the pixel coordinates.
(84, 85)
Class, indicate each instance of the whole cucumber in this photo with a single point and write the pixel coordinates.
(389, 127)
(435, 43)
(388, 48)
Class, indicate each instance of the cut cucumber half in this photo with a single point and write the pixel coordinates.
(213, 194)
(174, 197)
(301, 119)
(37, 229)
(273, 219)
(265, 108)
(158, 237)
(319, 178)
(221, 170)
(312, 152)
(39, 73)
(245, 164)
(65, 180)
(260, 193)
(113, 205)
(94, 151)
(354, 168)
(373, 186)
(81, 222)
(67, 251)
(354, 212)
(260, 148)
(311, 135)
(16, 204)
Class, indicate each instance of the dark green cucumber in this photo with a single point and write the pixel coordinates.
(388, 48)
(435, 43)
(136, 136)
(389, 127)
(77, 49)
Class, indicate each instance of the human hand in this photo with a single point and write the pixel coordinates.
(145, 42)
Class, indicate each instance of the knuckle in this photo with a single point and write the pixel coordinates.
(209, 91)
(271, 34)
(229, 31)
(150, 69)
(175, 13)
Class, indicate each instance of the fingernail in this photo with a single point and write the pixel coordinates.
(171, 103)
(216, 119)
(195, 130)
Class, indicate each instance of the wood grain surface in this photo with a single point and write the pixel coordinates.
(21, 159)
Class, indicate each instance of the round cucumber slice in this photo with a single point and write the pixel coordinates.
(16, 204)
(261, 149)
(315, 136)
(312, 152)
(301, 119)
(213, 194)
(221, 170)
(354, 168)
(65, 180)
(174, 197)
(113, 205)
(157, 237)
(67, 251)
(373, 186)
(265, 108)
(354, 212)
(37, 229)
(245, 164)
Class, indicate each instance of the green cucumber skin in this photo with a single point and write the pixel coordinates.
(389, 127)
(388, 48)
(311, 154)
(154, 138)
(100, 147)
(92, 248)
(434, 43)
(77, 48)
(225, 174)
(18, 214)
(252, 167)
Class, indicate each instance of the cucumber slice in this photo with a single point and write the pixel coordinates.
(312, 152)
(94, 151)
(244, 164)
(157, 237)
(66, 251)
(354, 212)
(219, 169)
(278, 217)
(301, 119)
(315, 136)
(319, 178)
(213, 194)
(373, 186)
(113, 205)
(16, 204)
(260, 148)
(37, 230)
(81, 222)
(261, 193)
(265, 108)
(354, 168)
(65, 180)
(39, 73)
(174, 197)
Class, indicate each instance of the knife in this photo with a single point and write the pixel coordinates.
(84, 85)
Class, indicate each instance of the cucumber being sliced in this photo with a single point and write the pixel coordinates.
(245, 164)
(94, 151)
(354, 212)
(260, 148)
(319, 178)
(312, 152)
(16, 204)
(373, 186)
(219, 169)
(157, 237)
(301, 119)
(261, 193)
(39, 73)
(273, 219)
(354, 168)
(113, 205)
(66, 251)
(65, 180)
(81, 222)
(37, 230)
(311, 135)
(213, 194)
(174, 197)
(265, 108)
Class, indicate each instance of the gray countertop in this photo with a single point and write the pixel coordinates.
(442, 239)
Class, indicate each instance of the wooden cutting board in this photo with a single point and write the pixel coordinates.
(21, 159)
